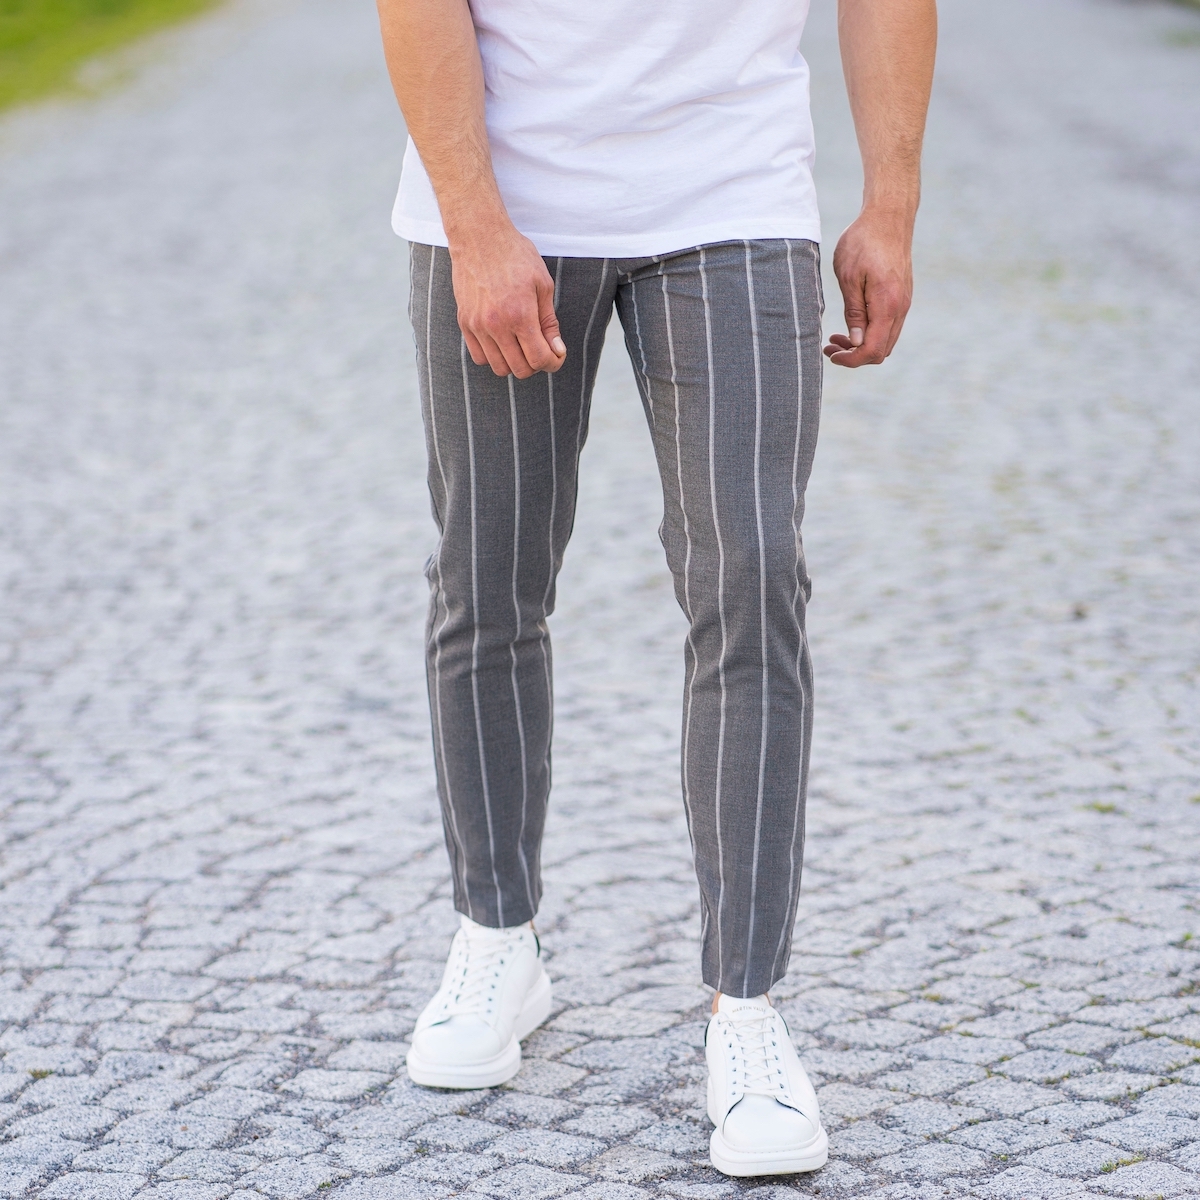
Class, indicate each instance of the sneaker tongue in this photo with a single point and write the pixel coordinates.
(733, 1005)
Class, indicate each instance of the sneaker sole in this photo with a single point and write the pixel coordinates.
(492, 1071)
(743, 1163)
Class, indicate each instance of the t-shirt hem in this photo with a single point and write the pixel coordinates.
(644, 245)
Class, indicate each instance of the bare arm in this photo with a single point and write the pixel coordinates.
(887, 54)
(505, 294)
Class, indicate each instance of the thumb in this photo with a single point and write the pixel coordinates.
(856, 312)
(548, 320)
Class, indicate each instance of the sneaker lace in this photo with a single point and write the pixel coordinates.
(473, 984)
(758, 1033)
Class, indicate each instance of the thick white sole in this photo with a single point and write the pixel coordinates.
(811, 1156)
(491, 1072)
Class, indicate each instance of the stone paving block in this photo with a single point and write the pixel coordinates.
(1149, 1131)
(163, 985)
(545, 1147)
(1135, 1014)
(94, 1185)
(610, 1121)
(545, 1078)
(286, 1137)
(390, 1187)
(611, 1191)
(866, 1140)
(1184, 1028)
(1079, 1038)
(926, 1118)
(1006, 1136)
(1085, 1158)
(957, 1047)
(849, 1064)
(1179, 1099)
(933, 1078)
(1006, 1097)
(685, 1139)
(365, 1156)
(847, 1100)
(633, 1164)
(458, 1133)
(933, 1161)
(1159, 1055)
(1109, 1085)
(521, 1108)
(61, 1060)
(79, 1121)
(1073, 1116)
(528, 1182)
(169, 1130)
(603, 1022)
(874, 1034)
(290, 1179)
(130, 1158)
(1026, 1183)
(377, 1121)
(336, 1085)
(185, 1189)
(362, 1055)
(455, 1168)
(209, 1166)
(1148, 1179)
(1006, 1025)
(1047, 1066)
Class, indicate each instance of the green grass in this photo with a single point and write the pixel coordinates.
(43, 43)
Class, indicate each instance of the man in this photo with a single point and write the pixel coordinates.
(567, 158)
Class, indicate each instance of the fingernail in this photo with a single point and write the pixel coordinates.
(558, 346)
(856, 336)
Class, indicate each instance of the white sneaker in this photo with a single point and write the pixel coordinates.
(759, 1098)
(494, 993)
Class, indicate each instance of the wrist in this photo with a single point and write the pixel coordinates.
(478, 227)
(897, 216)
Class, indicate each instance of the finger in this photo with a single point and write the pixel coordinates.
(874, 346)
(474, 349)
(854, 298)
(494, 355)
(548, 320)
(539, 339)
(514, 356)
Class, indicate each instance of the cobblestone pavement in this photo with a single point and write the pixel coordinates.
(224, 893)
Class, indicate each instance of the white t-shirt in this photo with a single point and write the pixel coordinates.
(626, 128)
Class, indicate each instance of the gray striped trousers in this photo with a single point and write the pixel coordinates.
(725, 345)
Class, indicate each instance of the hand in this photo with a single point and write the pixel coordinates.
(506, 305)
(873, 265)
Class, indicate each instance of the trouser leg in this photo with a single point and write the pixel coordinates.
(503, 462)
(725, 341)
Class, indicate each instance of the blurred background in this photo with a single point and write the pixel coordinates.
(213, 518)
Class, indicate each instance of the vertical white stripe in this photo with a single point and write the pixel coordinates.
(583, 381)
(687, 540)
(543, 630)
(637, 329)
(512, 646)
(712, 490)
(437, 558)
(483, 772)
(765, 698)
(789, 908)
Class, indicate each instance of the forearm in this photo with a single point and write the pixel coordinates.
(888, 49)
(433, 59)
